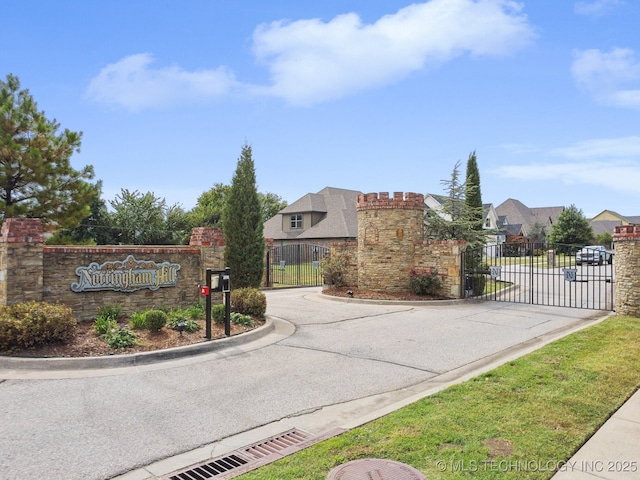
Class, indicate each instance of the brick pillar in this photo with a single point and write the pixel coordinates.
(21, 260)
(626, 263)
(211, 243)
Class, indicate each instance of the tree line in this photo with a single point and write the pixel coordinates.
(38, 181)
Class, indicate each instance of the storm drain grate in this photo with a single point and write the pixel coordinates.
(212, 469)
(276, 444)
(230, 463)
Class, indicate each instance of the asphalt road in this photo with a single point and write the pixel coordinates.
(102, 423)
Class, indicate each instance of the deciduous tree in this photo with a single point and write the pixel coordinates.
(571, 228)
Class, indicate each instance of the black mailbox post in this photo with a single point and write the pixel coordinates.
(218, 281)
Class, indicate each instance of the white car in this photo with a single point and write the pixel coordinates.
(595, 254)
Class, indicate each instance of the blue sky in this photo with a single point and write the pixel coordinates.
(369, 95)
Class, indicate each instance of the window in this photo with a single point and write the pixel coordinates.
(296, 220)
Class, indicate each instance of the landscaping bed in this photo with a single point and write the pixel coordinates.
(86, 343)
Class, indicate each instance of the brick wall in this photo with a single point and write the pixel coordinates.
(31, 271)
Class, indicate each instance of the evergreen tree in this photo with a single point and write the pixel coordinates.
(571, 228)
(473, 196)
(454, 220)
(242, 220)
(36, 177)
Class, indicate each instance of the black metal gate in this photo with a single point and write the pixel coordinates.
(295, 265)
(540, 274)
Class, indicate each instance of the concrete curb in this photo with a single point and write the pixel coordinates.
(437, 303)
(136, 359)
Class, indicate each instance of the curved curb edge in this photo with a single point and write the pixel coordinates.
(135, 359)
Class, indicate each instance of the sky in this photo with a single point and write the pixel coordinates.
(367, 95)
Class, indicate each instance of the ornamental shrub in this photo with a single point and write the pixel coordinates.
(478, 282)
(335, 268)
(155, 320)
(217, 313)
(32, 324)
(249, 301)
(425, 282)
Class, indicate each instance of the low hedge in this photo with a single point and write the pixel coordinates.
(32, 324)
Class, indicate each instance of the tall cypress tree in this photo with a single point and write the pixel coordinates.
(473, 197)
(242, 226)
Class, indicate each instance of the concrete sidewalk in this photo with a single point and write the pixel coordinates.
(613, 452)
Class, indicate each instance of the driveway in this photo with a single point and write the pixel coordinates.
(325, 363)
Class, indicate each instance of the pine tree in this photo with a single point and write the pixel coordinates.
(454, 220)
(36, 177)
(242, 226)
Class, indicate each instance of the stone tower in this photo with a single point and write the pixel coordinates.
(388, 230)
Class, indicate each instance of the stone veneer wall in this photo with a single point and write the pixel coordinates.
(350, 250)
(626, 239)
(388, 228)
(391, 241)
(444, 257)
(31, 271)
(21, 242)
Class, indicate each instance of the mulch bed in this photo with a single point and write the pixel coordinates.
(371, 295)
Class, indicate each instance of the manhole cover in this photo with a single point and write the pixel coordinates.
(375, 469)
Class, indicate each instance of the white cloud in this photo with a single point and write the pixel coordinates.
(311, 60)
(611, 163)
(617, 148)
(613, 78)
(132, 83)
(595, 8)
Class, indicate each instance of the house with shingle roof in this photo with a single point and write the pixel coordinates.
(607, 220)
(491, 220)
(319, 218)
(517, 217)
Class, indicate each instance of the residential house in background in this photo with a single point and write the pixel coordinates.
(606, 220)
(518, 220)
(317, 218)
(490, 222)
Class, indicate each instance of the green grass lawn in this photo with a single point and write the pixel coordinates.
(519, 421)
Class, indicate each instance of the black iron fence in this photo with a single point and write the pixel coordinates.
(295, 265)
(540, 274)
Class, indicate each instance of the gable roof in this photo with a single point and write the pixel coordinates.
(335, 206)
(518, 213)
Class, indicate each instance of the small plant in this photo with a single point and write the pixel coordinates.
(241, 319)
(179, 316)
(425, 282)
(112, 312)
(335, 268)
(103, 325)
(196, 311)
(155, 320)
(120, 337)
(138, 320)
(217, 313)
